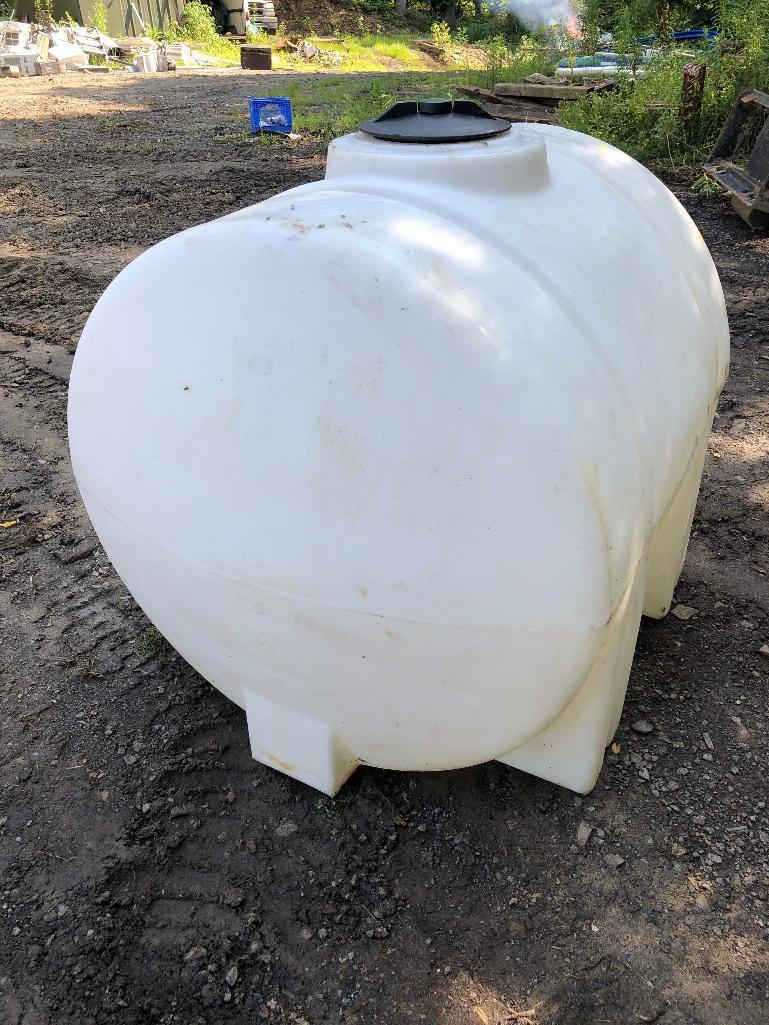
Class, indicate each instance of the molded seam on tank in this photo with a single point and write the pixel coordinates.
(503, 247)
(238, 696)
(374, 615)
(647, 216)
(562, 709)
(131, 529)
(552, 137)
(644, 222)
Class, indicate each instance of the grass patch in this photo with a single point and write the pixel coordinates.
(376, 50)
(707, 187)
(361, 53)
(152, 644)
(332, 105)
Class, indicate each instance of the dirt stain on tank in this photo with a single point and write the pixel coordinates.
(277, 762)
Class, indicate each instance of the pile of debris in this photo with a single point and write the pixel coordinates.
(307, 51)
(48, 49)
(535, 100)
(140, 53)
(447, 55)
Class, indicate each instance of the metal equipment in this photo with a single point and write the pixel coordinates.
(748, 185)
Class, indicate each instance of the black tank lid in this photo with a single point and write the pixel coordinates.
(437, 120)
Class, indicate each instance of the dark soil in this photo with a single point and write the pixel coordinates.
(152, 872)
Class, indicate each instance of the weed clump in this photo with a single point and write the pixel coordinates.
(152, 644)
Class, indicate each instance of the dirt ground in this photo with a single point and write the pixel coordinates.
(152, 872)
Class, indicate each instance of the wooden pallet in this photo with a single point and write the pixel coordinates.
(513, 110)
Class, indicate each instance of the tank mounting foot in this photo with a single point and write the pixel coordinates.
(297, 745)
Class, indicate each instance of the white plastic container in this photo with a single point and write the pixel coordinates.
(179, 52)
(147, 61)
(397, 459)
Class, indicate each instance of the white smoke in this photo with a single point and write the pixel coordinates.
(536, 13)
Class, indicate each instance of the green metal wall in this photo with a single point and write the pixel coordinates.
(122, 17)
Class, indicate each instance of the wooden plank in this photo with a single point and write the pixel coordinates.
(512, 110)
(535, 91)
(519, 115)
(429, 47)
(478, 94)
(531, 113)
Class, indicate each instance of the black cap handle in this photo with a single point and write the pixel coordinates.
(435, 120)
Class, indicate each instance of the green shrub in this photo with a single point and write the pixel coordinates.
(492, 25)
(505, 64)
(198, 27)
(98, 17)
(642, 116)
(198, 23)
(44, 11)
(441, 36)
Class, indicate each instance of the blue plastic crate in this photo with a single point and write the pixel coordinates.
(270, 114)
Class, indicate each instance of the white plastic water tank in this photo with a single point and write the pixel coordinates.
(397, 459)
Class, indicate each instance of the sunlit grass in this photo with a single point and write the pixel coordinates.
(361, 53)
(371, 49)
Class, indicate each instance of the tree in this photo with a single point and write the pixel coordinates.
(445, 10)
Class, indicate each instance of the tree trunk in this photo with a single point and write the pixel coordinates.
(664, 24)
(692, 90)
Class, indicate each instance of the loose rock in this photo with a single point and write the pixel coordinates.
(683, 612)
(286, 828)
(584, 829)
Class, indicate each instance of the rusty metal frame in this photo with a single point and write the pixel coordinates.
(748, 185)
